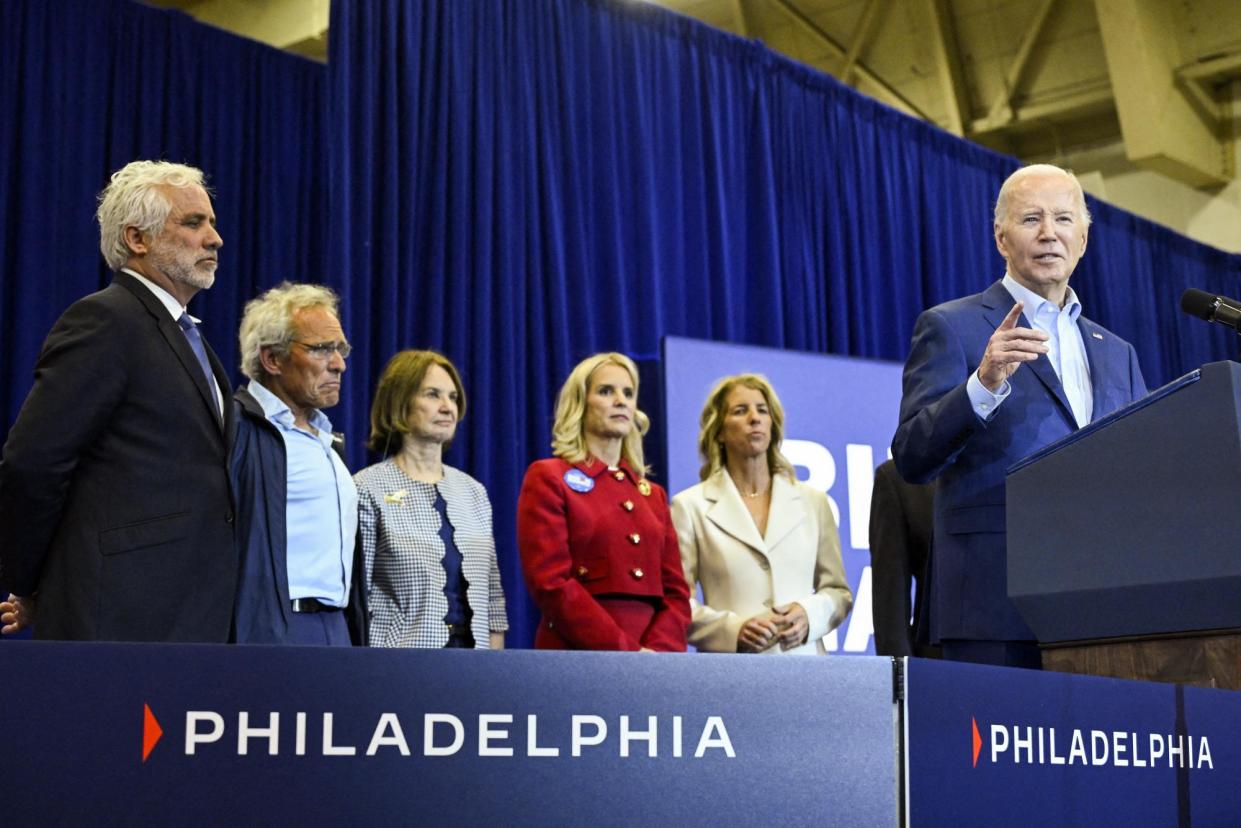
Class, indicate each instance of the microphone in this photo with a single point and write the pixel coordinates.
(1212, 308)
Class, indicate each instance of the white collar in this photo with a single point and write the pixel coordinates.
(174, 308)
(1033, 302)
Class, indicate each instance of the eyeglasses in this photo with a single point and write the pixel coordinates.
(323, 350)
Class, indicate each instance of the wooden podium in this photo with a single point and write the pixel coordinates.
(1123, 555)
(1202, 660)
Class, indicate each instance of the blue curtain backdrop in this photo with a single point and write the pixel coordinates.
(89, 85)
(520, 183)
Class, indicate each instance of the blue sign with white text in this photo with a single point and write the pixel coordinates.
(204, 734)
(1000, 746)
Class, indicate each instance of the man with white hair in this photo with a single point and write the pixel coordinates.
(969, 409)
(297, 503)
(115, 515)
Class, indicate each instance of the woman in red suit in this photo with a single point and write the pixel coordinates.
(598, 548)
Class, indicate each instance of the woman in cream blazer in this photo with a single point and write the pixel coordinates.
(763, 546)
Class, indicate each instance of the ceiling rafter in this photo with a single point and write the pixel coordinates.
(1001, 109)
(888, 93)
(948, 65)
(743, 28)
(1201, 78)
(1085, 100)
(861, 39)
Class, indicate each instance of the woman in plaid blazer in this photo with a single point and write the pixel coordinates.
(427, 543)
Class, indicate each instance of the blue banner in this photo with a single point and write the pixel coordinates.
(193, 734)
(996, 746)
(840, 414)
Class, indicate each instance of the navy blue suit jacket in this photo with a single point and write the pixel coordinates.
(941, 438)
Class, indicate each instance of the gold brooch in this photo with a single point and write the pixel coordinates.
(644, 488)
(395, 497)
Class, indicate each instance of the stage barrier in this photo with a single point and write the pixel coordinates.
(200, 734)
(999, 746)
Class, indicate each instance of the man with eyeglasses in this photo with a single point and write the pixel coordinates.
(115, 517)
(296, 503)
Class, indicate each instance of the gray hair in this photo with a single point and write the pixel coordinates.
(268, 321)
(133, 199)
(1001, 201)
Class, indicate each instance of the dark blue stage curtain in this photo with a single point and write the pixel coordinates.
(519, 183)
(88, 85)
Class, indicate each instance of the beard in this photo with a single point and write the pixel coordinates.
(197, 277)
(183, 267)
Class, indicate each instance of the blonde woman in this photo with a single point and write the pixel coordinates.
(763, 546)
(597, 545)
(430, 556)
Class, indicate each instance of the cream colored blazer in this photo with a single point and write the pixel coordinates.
(743, 573)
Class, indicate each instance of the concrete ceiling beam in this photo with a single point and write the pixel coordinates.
(1163, 125)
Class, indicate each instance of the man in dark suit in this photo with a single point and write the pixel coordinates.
(969, 410)
(900, 554)
(115, 514)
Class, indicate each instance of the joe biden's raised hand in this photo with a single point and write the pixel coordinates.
(1007, 348)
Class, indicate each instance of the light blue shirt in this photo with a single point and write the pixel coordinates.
(1065, 350)
(321, 515)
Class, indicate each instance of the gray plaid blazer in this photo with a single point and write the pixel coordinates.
(403, 556)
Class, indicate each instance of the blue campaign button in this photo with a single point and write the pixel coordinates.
(578, 480)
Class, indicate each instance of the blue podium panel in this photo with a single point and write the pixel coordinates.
(1000, 746)
(1122, 529)
(177, 734)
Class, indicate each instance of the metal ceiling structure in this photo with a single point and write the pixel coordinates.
(1039, 79)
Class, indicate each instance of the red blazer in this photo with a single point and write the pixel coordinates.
(589, 537)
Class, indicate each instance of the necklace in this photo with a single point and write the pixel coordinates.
(751, 495)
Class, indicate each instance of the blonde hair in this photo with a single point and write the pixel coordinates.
(134, 197)
(268, 321)
(1001, 201)
(568, 435)
(400, 381)
(713, 452)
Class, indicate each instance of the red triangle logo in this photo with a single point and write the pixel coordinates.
(977, 739)
(151, 731)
